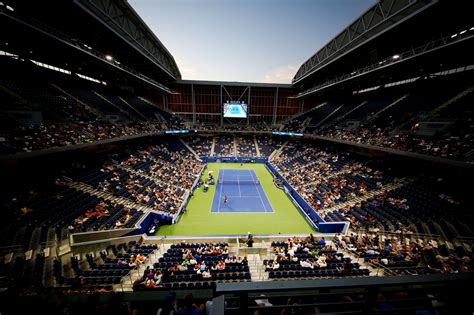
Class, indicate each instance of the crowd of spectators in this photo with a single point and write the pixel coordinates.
(65, 120)
(413, 206)
(191, 262)
(45, 136)
(246, 146)
(160, 177)
(267, 144)
(200, 144)
(105, 213)
(445, 146)
(288, 252)
(340, 188)
(157, 176)
(402, 253)
(252, 127)
(326, 178)
(294, 125)
(224, 146)
(174, 123)
(402, 122)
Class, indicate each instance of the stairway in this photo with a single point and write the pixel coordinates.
(374, 116)
(106, 195)
(373, 193)
(304, 124)
(257, 149)
(277, 152)
(133, 108)
(341, 172)
(189, 148)
(254, 266)
(157, 106)
(127, 281)
(136, 172)
(341, 118)
(302, 113)
(427, 116)
(363, 265)
(236, 152)
(213, 146)
(113, 104)
(91, 109)
(13, 94)
(327, 117)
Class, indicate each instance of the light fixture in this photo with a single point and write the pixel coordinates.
(462, 32)
(109, 57)
(395, 57)
(454, 35)
(10, 8)
(472, 28)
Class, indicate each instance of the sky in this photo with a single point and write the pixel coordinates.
(246, 40)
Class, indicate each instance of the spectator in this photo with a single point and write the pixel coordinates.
(169, 306)
(249, 240)
(190, 308)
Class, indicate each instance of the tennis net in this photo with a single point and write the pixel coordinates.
(240, 181)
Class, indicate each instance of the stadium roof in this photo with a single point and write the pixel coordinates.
(405, 39)
(235, 83)
(112, 28)
(375, 21)
(122, 19)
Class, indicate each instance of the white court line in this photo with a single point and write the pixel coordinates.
(243, 197)
(261, 200)
(220, 190)
(246, 212)
(253, 212)
(238, 185)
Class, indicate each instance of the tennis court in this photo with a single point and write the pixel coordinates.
(199, 220)
(243, 190)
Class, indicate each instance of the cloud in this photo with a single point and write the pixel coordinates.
(283, 74)
(188, 72)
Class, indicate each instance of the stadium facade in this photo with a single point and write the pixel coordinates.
(93, 99)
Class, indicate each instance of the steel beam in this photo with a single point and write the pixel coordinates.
(120, 17)
(275, 106)
(364, 28)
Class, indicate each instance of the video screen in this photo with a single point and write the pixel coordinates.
(235, 109)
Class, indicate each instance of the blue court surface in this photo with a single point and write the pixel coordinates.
(243, 190)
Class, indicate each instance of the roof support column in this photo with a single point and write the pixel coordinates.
(275, 104)
(193, 102)
(222, 107)
(248, 107)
